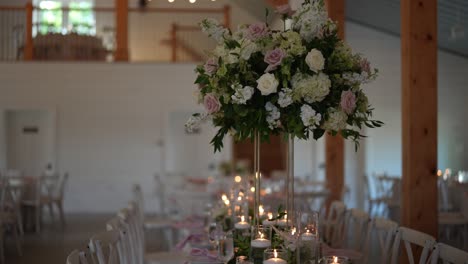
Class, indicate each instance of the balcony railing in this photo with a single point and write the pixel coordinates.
(119, 33)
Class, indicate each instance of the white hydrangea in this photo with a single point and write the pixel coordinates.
(214, 29)
(353, 78)
(310, 20)
(194, 122)
(247, 49)
(242, 94)
(285, 97)
(310, 88)
(336, 120)
(309, 117)
(273, 116)
(228, 56)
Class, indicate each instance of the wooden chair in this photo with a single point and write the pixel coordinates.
(448, 255)
(385, 231)
(333, 224)
(107, 247)
(411, 237)
(77, 257)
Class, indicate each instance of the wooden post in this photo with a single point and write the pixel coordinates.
(121, 22)
(174, 42)
(227, 16)
(28, 43)
(334, 145)
(419, 114)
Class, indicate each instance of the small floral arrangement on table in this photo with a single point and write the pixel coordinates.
(302, 80)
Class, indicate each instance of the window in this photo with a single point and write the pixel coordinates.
(79, 17)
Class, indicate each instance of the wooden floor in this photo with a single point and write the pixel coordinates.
(53, 244)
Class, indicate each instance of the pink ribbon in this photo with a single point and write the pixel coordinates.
(349, 253)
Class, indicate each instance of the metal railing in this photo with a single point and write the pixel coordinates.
(149, 34)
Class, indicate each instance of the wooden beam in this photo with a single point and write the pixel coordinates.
(121, 22)
(28, 43)
(227, 16)
(334, 145)
(419, 114)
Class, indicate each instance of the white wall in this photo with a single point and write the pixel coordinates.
(109, 122)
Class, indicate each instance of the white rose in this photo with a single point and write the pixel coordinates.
(267, 84)
(315, 60)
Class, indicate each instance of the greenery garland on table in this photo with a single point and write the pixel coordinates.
(302, 81)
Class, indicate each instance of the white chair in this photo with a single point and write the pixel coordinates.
(107, 247)
(333, 224)
(385, 231)
(130, 217)
(126, 246)
(356, 229)
(161, 223)
(55, 186)
(411, 237)
(9, 214)
(448, 255)
(77, 257)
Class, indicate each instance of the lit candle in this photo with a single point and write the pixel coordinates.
(242, 224)
(335, 260)
(283, 222)
(260, 242)
(261, 211)
(268, 222)
(307, 236)
(275, 259)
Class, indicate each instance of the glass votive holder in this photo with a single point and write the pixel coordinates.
(334, 260)
(243, 260)
(260, 240)
(275, 256)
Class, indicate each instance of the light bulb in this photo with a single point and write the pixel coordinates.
(170, 1)
(192, 1)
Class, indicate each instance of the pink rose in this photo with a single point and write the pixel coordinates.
(211, 103)
(365, 66)
(348, 102)
(285, 10)
(274, 58)
(257, 30)
(211, 66)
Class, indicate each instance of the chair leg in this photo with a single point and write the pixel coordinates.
(51, 211)
(62, 214)
(38, 218)
(17, 240)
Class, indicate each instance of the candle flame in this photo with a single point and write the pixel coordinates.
(226, 202)
(335, 259)
(293, 231)
(261, 234)
(275, 253)
(239, 198)
(261, 211)
(224, 197)
(252, 189)
(270, 216)
(439, 173)
(242, 218)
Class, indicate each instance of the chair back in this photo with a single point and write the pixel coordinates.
(129, 217)
(356, 229)
(333, 231)
(138, 198)
(411, 237)
(448, 255)
(385, 231)
(77, 257)
(126, 246)
(106, 246)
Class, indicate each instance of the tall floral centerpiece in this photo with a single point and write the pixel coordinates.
(302, 81)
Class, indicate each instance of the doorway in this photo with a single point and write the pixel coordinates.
(30, 140)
